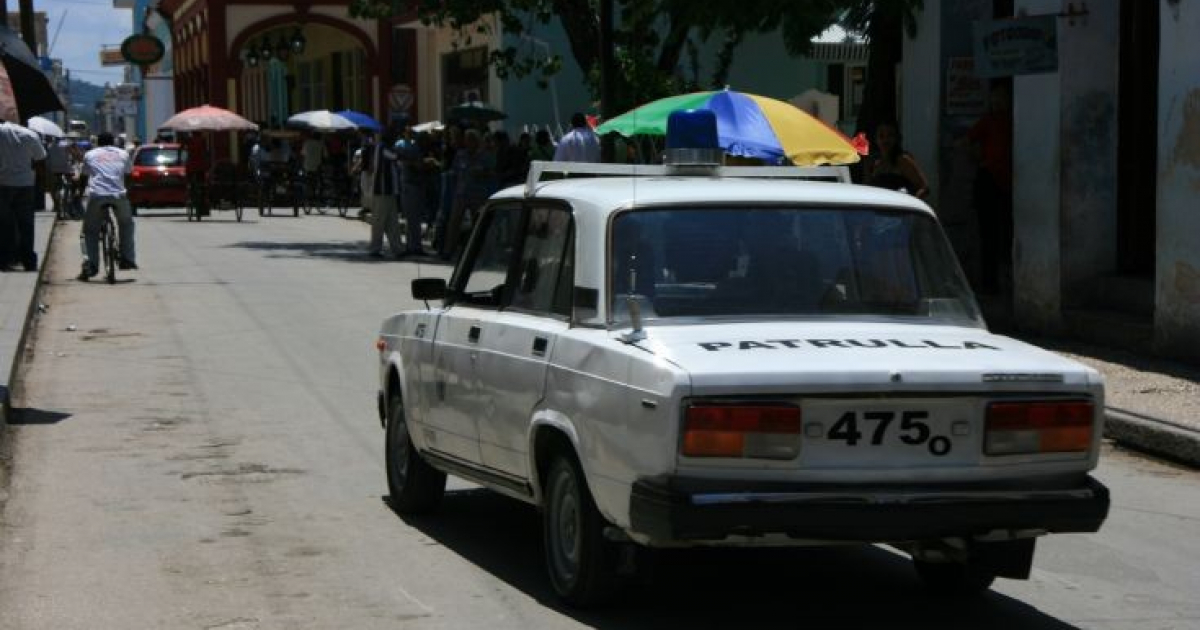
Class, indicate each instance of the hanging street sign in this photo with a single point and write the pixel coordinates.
(142, 50)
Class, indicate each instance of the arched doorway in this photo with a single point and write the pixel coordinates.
(288, 67)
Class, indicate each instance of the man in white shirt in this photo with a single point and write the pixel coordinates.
(580, 145)
(106, 167)
(19, 149)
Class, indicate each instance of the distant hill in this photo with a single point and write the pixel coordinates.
(83, 101)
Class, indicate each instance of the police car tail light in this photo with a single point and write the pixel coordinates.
(1038, 427)
(755, 431)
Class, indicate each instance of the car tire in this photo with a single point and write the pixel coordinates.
(414, 485)
(581, 562)
(954, 579)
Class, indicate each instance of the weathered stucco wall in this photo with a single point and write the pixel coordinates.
(1037, 202)
(1177, 299)
(1088, 73)
(921, 98)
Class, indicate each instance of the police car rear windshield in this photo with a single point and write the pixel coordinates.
(704, 263)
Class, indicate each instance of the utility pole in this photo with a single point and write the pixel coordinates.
(27, 32)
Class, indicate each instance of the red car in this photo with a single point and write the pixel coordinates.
(159, 177)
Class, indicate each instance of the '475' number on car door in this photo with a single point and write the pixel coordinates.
(883, 427)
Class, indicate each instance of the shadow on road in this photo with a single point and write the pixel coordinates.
(348, 251)
(848, 587)
(28, 416)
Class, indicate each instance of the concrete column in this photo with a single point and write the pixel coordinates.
(1088, 74)
(1037, 202)
(1177, 294)
(921, 101)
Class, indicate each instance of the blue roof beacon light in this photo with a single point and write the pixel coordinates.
(692, 140)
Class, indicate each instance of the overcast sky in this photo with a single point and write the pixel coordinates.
(86, 25)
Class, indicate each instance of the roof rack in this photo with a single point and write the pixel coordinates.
(538, 168)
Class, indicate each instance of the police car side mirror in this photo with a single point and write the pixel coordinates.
(427, 289)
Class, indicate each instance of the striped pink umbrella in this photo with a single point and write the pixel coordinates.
(207, 118)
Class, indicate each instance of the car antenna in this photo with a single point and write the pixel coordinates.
(635, 307)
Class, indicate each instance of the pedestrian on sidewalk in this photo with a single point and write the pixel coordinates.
(543, 147)
(19, 149)
(58, 168)
(581, 144)
(991, 143)
(416, 160)
(474, 175)
(197, 171)
(892, 167)
(385, 178)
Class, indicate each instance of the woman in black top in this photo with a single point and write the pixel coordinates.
(893, 167)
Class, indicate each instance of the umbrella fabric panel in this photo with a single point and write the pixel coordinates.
(748, 125)
(44, 127)
(651, 118)
(322, 120)
(793, 128)
(207, 118)
(743, 129)
(36, 95)
(476, 111)
(363, 121)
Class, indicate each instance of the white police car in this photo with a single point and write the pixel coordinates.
(664, 357)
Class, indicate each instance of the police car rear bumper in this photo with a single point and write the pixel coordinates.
(680, 509)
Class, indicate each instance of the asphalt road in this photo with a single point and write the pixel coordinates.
(198, 447)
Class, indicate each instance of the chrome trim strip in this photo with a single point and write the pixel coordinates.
(885, 498)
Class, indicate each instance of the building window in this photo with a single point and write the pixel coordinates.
(354, 79)
(311, 85)
(464, 77)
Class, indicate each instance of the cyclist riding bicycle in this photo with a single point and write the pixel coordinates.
(104, 169)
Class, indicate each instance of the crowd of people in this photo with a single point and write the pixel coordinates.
(424, 187)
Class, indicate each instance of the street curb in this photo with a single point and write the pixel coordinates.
(6, 389)
(1153, 435)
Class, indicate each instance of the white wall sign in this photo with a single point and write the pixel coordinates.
(1025, 45)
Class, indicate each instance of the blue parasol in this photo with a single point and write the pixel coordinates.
(362, 120)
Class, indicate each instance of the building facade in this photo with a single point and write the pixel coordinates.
(1106, 166)
(268, 59)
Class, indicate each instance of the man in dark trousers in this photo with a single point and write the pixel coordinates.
(19, 149)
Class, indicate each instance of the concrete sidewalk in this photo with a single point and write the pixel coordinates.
(18, 304)
(1152, 404)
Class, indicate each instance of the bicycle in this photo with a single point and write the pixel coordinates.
(197, 200)
(110, 244)
(63, 188)
(313, 190)
(275, 180)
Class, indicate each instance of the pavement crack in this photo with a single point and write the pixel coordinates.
(244, 469)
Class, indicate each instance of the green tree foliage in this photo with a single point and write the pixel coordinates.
(651, 37)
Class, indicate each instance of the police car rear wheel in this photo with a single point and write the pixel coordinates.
(415, 486)
(954, 579)
(582, 564)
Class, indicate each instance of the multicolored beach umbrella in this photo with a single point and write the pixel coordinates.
(749, 126)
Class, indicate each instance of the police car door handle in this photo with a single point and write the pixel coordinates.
(473, 335)
(539, 346)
